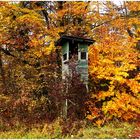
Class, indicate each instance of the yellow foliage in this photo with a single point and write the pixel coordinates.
(114, 59)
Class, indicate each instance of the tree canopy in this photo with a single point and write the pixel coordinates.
(30, 63)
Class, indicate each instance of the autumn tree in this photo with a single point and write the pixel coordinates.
(114, 65)
(30, 64)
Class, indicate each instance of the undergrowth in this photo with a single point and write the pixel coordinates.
(67, 129)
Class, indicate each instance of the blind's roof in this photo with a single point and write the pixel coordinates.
(65, 38)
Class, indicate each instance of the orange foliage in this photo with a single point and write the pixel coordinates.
(114, 60)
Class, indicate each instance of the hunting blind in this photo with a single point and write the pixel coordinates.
(75, 49)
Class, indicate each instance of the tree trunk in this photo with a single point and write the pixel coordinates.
(2, 73)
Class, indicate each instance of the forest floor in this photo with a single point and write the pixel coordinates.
(113, 130)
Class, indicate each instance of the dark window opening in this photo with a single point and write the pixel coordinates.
(65, 57)
(73, 49)
(118, 63)
(83, 55)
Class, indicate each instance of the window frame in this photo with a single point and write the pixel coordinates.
(84, 57)
(64, 60)
(80, 55)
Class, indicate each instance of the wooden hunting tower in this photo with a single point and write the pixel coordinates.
(75, 49)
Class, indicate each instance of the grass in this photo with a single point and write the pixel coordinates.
(111, 130)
